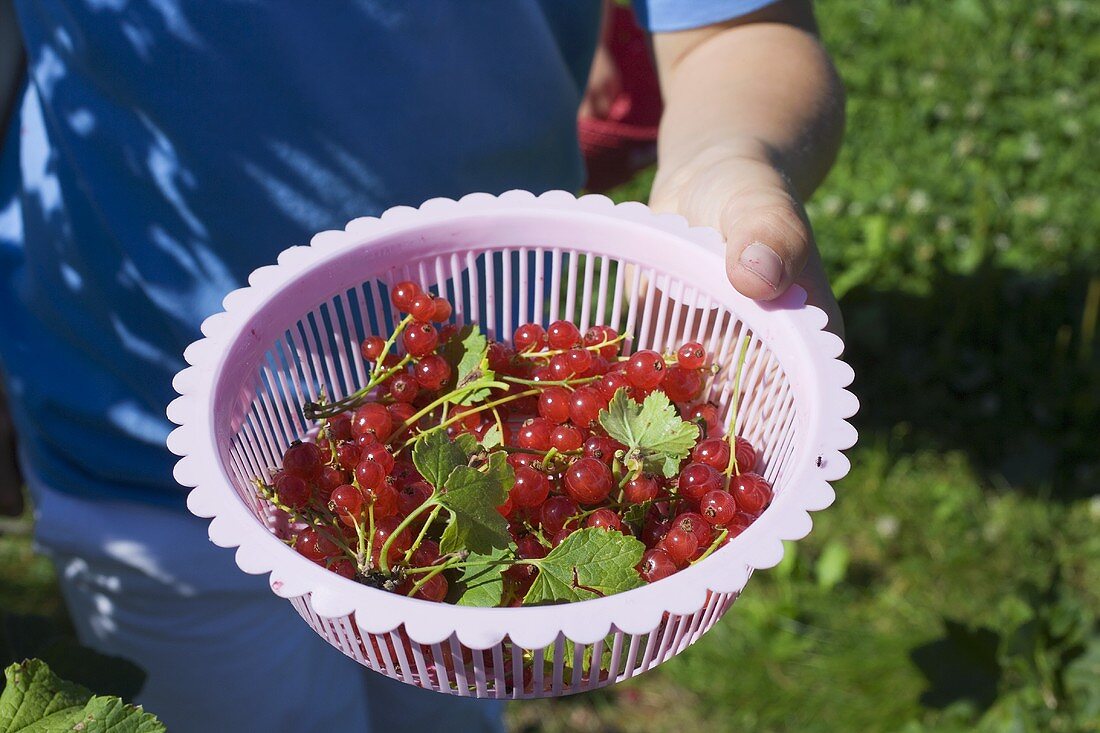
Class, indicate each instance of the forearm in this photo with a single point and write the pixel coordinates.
(762, 87)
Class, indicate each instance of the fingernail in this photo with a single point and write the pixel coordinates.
(760, 260)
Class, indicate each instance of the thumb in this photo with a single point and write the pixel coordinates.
(768, 242)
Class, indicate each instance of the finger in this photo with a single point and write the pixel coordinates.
(768, 242)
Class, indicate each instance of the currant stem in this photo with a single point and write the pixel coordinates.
(423, 532)
(318, 525)
(557, 383)
(713, 546)
(434, 571)
(555, 352)
(731, 434)
(314, 411)
(481, 408)
(370, 535)
(384, 553)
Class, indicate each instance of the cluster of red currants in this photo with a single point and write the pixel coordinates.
(360, 499)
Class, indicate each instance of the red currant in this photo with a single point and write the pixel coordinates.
(529, 337)
(346, 502)
(315, 546)
(680, 544)
(643, 488)
(372, 419)
(420, 338)
(412, 495)
(717, 507)
(745, 454)
(434, 589)
(715, 452)
(697, 479)
(645, 369)
(442, 310)
(682, 385)
(330, 478)
(534, 434)
(292, 491)
(339, 426)
(656, 565)
(696, 524)
(516, 460)
(303, 460)
(554, 404)
(383, 529)
(556, 512)
(403, 387)
(378, 453)
(654, 531)
(426, 553)
(584, 407)
(530, 489)
(403, 293)
(602, 335)
(369, 474)
(707, 416)
(562, 335)
(422, 307)
(566, 438)
(601, 448)
(432, 372)
(579, 360)
(739, 524)
(383, 498)
(343, 567)
(483, 429)
(372, 347)
(347, 455)
(588, 481)
(404, 473)
(401, 413)
(611, 383)
(605, 519)
(561, 369)
(529, 548)
(752, 492)
(691, 355)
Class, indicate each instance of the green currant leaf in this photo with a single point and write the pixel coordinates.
(436, 456)
(493, 437)
(467, 443)
(589, 563)
(35, 700)
(474, 379)
(472, 497)
(483, 585)
(656, 438)
(634, 515)
(501, 471)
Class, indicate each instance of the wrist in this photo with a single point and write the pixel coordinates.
(720, 170)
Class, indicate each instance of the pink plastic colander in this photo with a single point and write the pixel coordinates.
(503, 261)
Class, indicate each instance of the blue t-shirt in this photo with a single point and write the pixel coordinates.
(163, 150)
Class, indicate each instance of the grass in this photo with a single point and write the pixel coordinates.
(955, 584)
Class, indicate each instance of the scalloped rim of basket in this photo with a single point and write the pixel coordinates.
(637, 611)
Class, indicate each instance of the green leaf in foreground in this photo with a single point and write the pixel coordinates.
(483, 585)
(435, 456)
(35, 700)
(656, 438)
(473, 375)
(589, 563)
(472, 497)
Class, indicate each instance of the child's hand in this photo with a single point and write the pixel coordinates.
(769, 242)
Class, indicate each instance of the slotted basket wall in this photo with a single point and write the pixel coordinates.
(503, 261)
